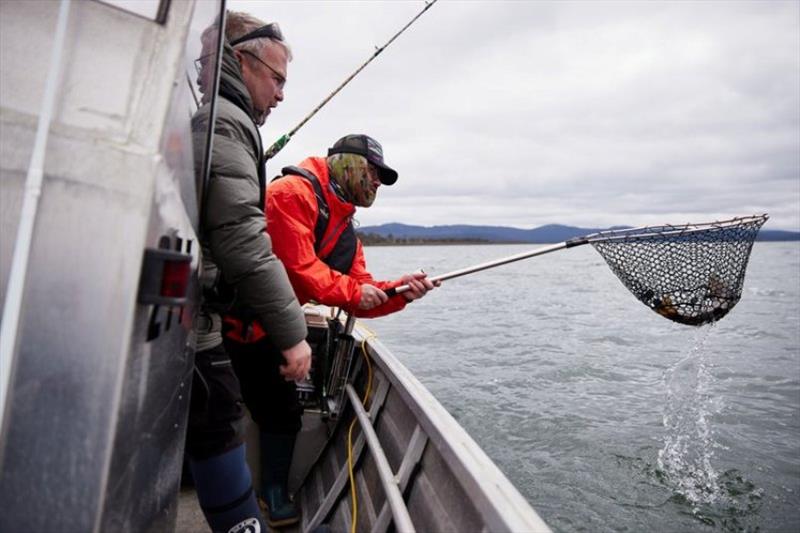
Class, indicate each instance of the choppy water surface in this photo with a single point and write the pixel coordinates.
(605, 415)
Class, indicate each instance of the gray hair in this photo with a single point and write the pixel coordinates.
(239, 23)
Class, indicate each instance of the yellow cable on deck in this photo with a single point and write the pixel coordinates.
(353, 496)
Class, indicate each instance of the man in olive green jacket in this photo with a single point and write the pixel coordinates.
(238, 265)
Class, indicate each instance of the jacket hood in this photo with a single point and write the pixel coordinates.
(231, 83)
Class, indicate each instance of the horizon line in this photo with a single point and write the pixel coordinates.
(537, 227)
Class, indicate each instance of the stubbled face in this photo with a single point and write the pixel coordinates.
(264, 79)
(356, 176)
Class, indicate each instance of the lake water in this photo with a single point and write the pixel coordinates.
(606, 416)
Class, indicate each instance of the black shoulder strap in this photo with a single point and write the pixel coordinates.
(324, 214)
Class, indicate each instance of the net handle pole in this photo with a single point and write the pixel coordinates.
(497, 262)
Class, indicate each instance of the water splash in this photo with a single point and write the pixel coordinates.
(727, 500)
(686, 458)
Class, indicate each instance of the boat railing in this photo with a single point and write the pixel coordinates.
(503, 507)
(390, 482)
(411, 444)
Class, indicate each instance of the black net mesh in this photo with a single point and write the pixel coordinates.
(691, 274)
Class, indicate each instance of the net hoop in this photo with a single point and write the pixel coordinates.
(691, 274)
(672, 231)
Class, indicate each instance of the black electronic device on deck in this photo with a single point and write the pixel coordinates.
(332, 346)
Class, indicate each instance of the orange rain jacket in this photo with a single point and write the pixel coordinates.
(291, 216)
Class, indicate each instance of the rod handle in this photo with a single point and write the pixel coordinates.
(403, 288)
(277, 146)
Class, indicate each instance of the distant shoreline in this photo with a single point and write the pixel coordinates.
(442, 243)
(372, 239)
(377, 240)
(395, 234)
(493, 243)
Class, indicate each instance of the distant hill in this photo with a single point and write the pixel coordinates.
(778, 235)
(551, 233)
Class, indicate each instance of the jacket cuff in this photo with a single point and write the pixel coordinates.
(292, 327)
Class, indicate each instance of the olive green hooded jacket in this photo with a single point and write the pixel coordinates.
(236, 249)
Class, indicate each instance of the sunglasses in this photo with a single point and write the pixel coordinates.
(270, 31)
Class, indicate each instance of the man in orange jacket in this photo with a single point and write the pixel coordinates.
(309, 218)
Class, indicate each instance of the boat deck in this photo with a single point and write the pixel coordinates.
(415, 468)
(311, 440)
(190, 517)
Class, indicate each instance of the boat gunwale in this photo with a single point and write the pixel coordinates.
(494, 495)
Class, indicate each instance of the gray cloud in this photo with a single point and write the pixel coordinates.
(527, 113)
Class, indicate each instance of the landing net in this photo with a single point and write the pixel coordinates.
(692, 274)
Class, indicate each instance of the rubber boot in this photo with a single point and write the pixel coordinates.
(276, 459)
(225, 493)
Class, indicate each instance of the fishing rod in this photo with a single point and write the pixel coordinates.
(278, 145)
(691, 273)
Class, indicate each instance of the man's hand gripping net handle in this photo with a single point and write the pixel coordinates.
(491, 264)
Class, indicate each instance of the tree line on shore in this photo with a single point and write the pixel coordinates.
(375, 239)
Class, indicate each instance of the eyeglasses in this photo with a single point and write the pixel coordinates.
(279, 79)
(269, 31)
(200, 62)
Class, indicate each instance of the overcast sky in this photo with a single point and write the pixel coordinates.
(528, 113)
